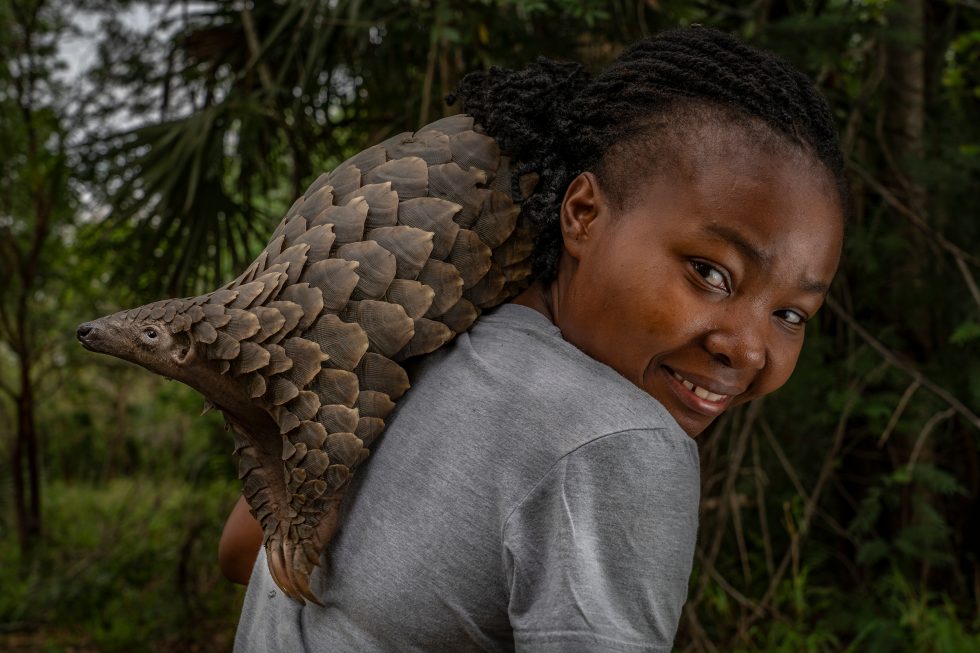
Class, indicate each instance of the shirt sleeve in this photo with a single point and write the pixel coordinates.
(599, 552)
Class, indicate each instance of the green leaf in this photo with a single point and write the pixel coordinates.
(966, 332)
(872, 552)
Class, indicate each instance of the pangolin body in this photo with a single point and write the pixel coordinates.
(388, 256)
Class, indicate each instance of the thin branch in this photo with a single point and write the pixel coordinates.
(868, 90)
(255, 52)
(9, 241)
(810, 505)
(883, 142)
(709, 447)
(783, 460)
(734, 465)
(760, 497)
(898, 412)
(743, 551)
(926, 430)
(697, 630)
(905, 367)
(795, 479)
(912, 216)
(809, 508)
(740, 598)
(836, 526)
(971, 283)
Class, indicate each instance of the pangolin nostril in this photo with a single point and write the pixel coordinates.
(83, 331)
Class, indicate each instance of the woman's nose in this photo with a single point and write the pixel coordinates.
(740, 344)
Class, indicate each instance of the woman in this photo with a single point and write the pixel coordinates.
(691, 200)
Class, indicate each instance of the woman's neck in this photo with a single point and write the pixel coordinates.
(538, 297)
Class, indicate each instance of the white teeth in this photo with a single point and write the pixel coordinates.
(698, 390)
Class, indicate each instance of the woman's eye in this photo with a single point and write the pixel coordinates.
(150, 333)
(711, 275)
(791, 317)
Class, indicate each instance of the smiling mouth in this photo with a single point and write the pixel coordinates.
(697, 398)
(704, 393)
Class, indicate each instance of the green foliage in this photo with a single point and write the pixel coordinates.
(966, 332)
(126, 563)
(895, 617)
(254, 103)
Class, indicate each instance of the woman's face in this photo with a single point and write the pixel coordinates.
(699, 289)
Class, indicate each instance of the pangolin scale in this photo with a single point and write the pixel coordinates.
(389, 256)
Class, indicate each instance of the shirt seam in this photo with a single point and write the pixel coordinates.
(583, 636)
(560, 460)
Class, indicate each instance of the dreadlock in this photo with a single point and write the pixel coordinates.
(556, 121)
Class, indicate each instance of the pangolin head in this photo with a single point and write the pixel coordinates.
(178, 339)
(143, 340)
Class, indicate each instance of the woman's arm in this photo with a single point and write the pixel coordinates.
(599, 552)
(239, 545)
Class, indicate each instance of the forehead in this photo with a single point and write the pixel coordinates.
(684, 136)
(748, 187)
(788, 187)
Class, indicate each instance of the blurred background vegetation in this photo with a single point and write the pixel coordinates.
(148, 148)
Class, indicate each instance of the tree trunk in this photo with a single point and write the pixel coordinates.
(901, 126)
(25, 459)
(904, 127)
(904, 104)
(27, 492)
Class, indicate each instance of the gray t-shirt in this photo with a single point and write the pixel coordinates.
(524, 497)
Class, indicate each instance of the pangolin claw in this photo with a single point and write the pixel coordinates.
(279, 570)
(302, 582)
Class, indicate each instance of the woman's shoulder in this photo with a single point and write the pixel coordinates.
(514, 379)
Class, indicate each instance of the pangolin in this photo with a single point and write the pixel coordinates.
(389, 256)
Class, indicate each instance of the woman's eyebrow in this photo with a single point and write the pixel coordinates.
(757, 255)
(806, 284)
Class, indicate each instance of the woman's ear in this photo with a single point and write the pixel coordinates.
(579, 209)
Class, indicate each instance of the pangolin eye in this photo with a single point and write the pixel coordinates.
(150, 332)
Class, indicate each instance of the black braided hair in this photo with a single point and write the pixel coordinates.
(553, 119)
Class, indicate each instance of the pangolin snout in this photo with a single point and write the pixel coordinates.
(88, 334)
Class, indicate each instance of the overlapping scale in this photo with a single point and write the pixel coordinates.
(387, 257)
(376, 267)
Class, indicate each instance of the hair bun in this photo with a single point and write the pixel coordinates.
(525, 110)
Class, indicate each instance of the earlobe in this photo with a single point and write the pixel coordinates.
(579, 209)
